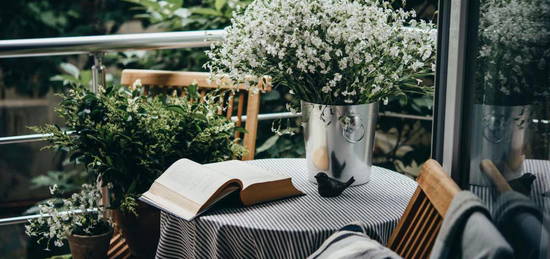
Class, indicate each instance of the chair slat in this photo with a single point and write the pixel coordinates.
(419, 227)
(229, 112)
(221, 103)
(421, 234)
(430, 243)
(412, 227)
(429, 229)
(252, 112)
(240, 105)
(397, 236)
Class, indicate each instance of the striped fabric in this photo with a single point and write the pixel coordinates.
(541, 185)
(289, 228)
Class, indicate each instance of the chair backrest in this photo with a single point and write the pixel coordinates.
(169, 81)
(417, 229)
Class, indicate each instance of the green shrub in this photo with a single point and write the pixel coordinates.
(127, 140)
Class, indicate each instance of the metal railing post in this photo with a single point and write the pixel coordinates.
(98, 72)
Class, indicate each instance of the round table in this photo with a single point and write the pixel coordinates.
(288, 228)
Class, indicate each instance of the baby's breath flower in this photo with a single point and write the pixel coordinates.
(53, 189)
(333, 49)
(514, 37)
(69, 218)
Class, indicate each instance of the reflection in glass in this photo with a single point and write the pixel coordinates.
(509, 120)
(511, 83)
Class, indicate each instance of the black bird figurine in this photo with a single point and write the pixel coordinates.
(330, 187)
(523, 184)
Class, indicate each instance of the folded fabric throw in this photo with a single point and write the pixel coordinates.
(467, 232)
(352, 241)
(523, 225)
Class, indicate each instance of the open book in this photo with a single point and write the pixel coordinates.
(186, 188)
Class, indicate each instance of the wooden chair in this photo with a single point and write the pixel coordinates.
(155, 81)
(417, 229)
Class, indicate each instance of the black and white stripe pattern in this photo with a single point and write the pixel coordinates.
(289, 228)
(541, 185)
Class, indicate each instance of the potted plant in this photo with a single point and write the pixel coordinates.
(79, 219)
(340, 58)
(513, 65)
(126, 140)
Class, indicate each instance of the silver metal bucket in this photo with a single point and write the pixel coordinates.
(339, 140)
(498, 134)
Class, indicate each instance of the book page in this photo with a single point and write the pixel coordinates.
(170, 206)
(192, 180)
(259, 185)
(247, 173)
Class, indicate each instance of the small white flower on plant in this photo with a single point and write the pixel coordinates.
(321, 48)
(78, 214)
(514, 37)
(53, 189)
(136, 84)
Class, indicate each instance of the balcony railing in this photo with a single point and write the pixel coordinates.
(107, 43)
(98, 45)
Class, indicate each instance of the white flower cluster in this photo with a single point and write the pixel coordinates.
(514, 47)
(81, 211)
(328, 51)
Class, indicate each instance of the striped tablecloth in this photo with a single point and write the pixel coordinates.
(289, 228)
(540, 192)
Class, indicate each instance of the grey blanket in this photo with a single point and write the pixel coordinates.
(352, 242)
(523, 225)
(467, 232)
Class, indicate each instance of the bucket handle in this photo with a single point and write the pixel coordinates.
(348, 129)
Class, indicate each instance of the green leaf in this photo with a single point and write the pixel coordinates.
(176, 108)
(176, 3)
(241, 130)
(199, 116)
(74, 156)
(270, 142)
(206, 11)
(85, 77)
(193, 91)
(66, 79)
(132, 187)
(274, 95)
(70, 69)
(219, 4)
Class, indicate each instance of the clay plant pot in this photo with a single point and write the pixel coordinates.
(141, 232)
(90, 247)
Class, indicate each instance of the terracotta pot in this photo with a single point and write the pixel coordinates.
(141, 232)
(90, 247)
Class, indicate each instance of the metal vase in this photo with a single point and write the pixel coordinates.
(339, 140)
(498, 134)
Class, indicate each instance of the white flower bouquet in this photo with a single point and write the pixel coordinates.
(514, 53)
(80, 214)
(333, 52)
